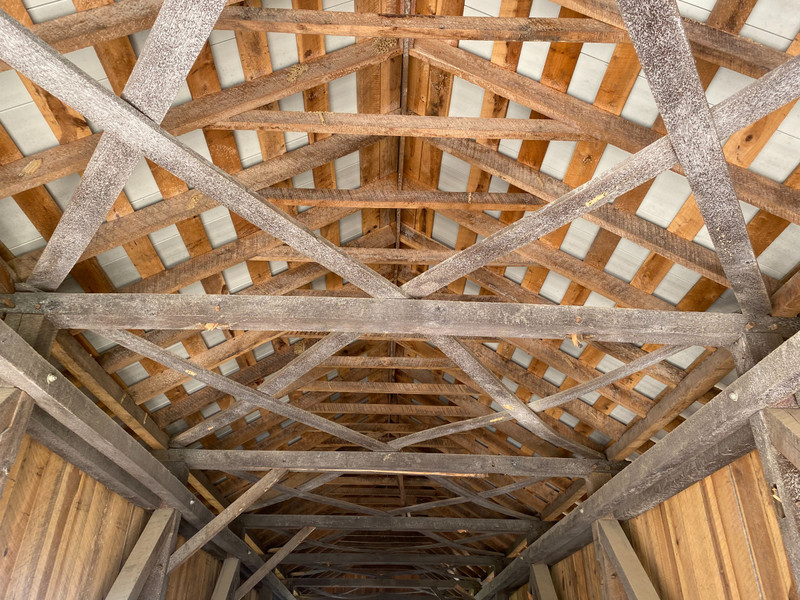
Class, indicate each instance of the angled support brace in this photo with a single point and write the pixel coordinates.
(541, 583)
(227, 580)
(616, 554)
(146, 565)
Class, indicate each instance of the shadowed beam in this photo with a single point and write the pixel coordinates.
(685, 455)
(355, 558)
(249, 398)
(272, 562)
(668, 63)
(406, 463)
(221, 521)
(772, 91)
(370, 523)
(388, 316)
(382, 582)
(180, 31)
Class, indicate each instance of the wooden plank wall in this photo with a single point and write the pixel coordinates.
(65, 536)
(717, 539)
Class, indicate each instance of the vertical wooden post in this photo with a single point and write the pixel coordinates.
(541, 583)
(227, 581)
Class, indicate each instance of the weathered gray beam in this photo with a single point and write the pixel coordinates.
(44, 66)
(223, 519)
(480, 374)
(381, 582)
(227, 580)
(776, 435)
(160, 530)
(541, 583)
(15, 411)
(358, 558)
(629, 570)
(248, 397)
(271, 563)
(750, 104)
(179, 32)
(407, 463)
(22, 367)
(703, 436)
(656, 356)
(667, 61)
(366, 315)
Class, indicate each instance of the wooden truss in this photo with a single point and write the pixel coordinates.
(391, 398)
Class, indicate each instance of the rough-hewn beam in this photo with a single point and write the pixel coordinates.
(227, 580)
(15, 411)
(224, 518)
(48, 69)
(271, 563)
(753, 102)
(22, 367)
(640, 484)
(358, 558)
(180, 30)
(249, 398)
(366, 315)
(160, 530)
(626, 564)
(668, 63)
(370, 523)
(381, 582)
(402, 125)
(407, 463)
(541, 583)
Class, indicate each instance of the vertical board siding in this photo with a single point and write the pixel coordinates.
(64, 536)
(717, 539)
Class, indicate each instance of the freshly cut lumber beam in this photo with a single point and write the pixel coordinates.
(402, 125)
(400, 316)
(406, 463)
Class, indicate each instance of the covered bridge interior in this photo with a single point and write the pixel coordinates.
(399, 299)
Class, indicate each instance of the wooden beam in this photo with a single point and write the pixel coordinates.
(776, 436)
(618, 549)
(22, 367)
(480, 374)
(401, 125)
(668, 63)
(160, 530)
(407, 463)
(50, 70)
(179, 32)
(357, 558)
(640, 485)
(249, 398)
(655, 156)
(365, 315)
(227, 580)
(15, 411)
(271, 563)
(541, 583)
(224, 518)
(382, 582)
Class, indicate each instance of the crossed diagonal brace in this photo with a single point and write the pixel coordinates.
(51, 71)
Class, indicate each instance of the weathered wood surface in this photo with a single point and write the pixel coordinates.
(623, 559)
(386, 462)
(361, 315)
